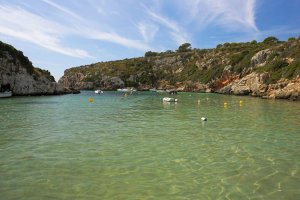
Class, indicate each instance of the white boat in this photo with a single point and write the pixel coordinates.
(126, 90)
(5, 94)
(169, 99)
(203, 118)
(98, 92)
(123, 90)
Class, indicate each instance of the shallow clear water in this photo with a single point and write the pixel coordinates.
(137, 147)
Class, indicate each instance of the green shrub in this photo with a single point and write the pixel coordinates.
(186, 47)
(293, 70)
(274, 77)
(291, 39)
(208, 75)
(244, 63)
(37, 72)
(219, 46)
(270, 40)
(236, 58)
(272, 56)
(150, 53)
(274, 65)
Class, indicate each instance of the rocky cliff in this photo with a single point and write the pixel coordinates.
(19, 76)
(268, 69)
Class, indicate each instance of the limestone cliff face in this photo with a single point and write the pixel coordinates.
(18, 75)
(75, 81)
(255, 85)
(267, 70)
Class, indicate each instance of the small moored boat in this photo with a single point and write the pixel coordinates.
(126, 90)
(98, 92)
(5, 94)
(203, 118)
(169, 99)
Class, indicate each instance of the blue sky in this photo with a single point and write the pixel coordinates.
(59, 34)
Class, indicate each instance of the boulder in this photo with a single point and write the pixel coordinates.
(253, 84)
(260, 58)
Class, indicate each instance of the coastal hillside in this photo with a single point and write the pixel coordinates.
(268, 69)
(19, 76)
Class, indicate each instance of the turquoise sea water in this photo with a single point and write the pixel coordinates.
(137, 147)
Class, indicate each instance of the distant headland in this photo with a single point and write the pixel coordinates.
(268, 69)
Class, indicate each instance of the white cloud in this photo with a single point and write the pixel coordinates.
(63, 9)
(147, 30)
(21, 24)
(88, 30)
(178, 33)
(101, 7)
(114, 38)
(230, 14)
(50, 35)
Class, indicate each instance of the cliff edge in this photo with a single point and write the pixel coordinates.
(19, 76)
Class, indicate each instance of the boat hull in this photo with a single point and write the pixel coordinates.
(5, 94)
(168, 99)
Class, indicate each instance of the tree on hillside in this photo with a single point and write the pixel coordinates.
(184, 47)
(271, 40)
(291, 39)
(150, 53)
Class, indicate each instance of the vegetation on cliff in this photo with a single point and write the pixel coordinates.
(282, 60)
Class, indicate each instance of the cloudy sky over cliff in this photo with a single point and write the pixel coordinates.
(58, 34)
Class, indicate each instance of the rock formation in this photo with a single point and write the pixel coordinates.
(19, 76)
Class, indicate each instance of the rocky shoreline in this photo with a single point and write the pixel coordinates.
(253, 85)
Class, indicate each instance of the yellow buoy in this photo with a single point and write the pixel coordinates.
(91, 100)
(225, 104)
(199, 101)
(241, 101)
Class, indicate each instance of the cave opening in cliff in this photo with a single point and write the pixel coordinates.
(5, 87)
